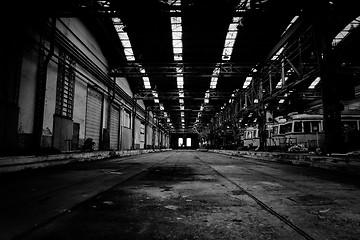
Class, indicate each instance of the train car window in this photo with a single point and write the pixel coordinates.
(288, 127)
(268, 133)
(275, 130)
(282, 129)
(298, 126)
(315, 125)
(349, 125)
(248, 135)
(307, 127)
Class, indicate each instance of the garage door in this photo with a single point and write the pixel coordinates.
(93, 116)
(114, 128)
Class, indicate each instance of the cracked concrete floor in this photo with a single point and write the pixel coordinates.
(197, 195)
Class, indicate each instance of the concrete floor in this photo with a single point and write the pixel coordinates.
(179, 195)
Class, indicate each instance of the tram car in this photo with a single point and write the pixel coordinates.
(251, 137)
(275, 136)
(303, 130)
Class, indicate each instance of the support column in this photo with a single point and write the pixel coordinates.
(146, 127)
(41, 86)
(332, 106)
(261, 116)
(133, 125)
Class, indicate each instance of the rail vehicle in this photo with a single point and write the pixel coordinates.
(302, 129)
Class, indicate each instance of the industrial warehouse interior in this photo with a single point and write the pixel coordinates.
(180, 119)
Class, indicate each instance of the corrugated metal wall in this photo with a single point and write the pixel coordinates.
(93, 116)
(114, 128)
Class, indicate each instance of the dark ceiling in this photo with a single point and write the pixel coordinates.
(204, 27)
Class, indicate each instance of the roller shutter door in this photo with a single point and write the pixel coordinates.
(149, 136)
(93, 117)
(137, 133)
(142, 135)
(114, 128)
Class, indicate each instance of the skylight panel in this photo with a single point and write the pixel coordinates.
(124, 38)
(126, 44)
(345, 32)
(314, 83)
(180, 82)
(176, 28)
(288, 73)
(129, 54)
(177, 35)
(146, 82)
(176, 22)
(227, 53)
(176, 3)
(207, 94)
(177, 44)
(247, 82)
(213, 82)
(216, 71)
(116, 21)
(277, 54)
(243, 6)
(179, 69)
(230, 38)
(177, 51)
(290, 24)
(233, 25)
(280, 83)
(156, 96)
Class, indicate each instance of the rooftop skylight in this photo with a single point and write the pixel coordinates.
(215, 77)
(180, 82)
(243, 6)
(249, 78)
(156, 96)
(247, 82)
(176, 28)
(129, 54)
(277, 54)
(124, 38)
(230, 38)
(345, 32)
(280, 82)
(314, 83)
(290, 24)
